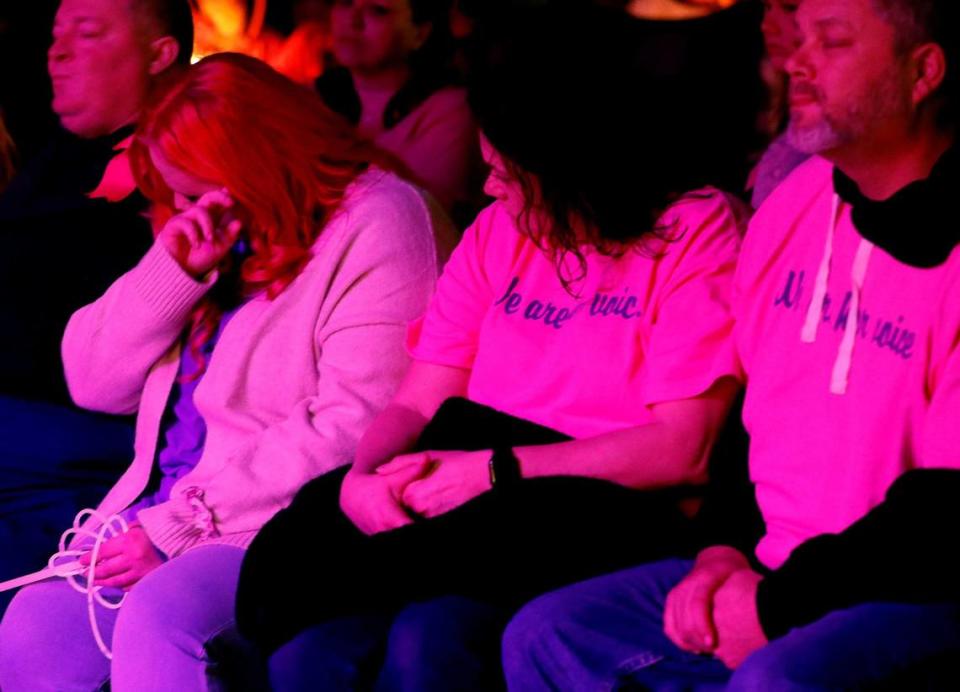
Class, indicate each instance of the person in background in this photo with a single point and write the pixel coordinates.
(568, 381)
(848, 330)
(397, 85)
(256, 339)
(71, 221)
(781, 37)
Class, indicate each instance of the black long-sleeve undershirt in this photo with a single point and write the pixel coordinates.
(904, 551)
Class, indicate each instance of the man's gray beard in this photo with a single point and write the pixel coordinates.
(814, 139)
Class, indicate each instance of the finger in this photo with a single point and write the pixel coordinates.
(424, 499)
(672, 619)
(202, 218)
(109, 570)
(726, 658)
(701, 611)
(233, 231)
(401, 462)
(669, 619)
(412, 497)
(111, 548)
(436, 507)
(184, 229)
(393, 517)
(401, 480)
(219, 198)
(695, 618)
(119, 581)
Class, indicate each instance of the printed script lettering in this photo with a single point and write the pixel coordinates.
(883, 332)
(620, 305)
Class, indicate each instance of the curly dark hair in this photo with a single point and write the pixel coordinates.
(597, 142)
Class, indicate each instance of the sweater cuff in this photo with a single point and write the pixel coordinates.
(171, 527)
(166, 287)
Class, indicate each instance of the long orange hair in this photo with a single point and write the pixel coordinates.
(285, 158)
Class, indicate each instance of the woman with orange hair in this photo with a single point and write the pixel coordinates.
(255, 340)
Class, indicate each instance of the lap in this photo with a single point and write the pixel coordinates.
(196, 589)
(502, 547)
(178, 625)
(862, 646)
(603, 633)
(48, 622)
(193, 592)
(445, 643)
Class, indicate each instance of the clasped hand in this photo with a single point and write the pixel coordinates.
(422, 484)
(713, 610)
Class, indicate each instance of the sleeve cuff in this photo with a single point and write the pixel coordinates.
(166, 287)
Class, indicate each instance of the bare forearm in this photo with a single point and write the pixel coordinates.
(648, 456)
(393, 432)
(672, 449)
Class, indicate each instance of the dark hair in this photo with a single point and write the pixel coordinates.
(168, 18)
(434, 56)
(936, 21)
(560, 93)
(435, 11)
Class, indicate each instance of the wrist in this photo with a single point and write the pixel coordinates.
(722, 556)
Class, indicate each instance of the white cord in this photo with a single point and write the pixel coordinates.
(109, 527)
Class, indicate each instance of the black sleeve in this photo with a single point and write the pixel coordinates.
(904, 550)
(730, 515)
(281, 579)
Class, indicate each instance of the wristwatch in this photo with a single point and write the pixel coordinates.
(504, 468)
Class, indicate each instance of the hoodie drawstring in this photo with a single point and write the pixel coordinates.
(841, 367)
(809, 333)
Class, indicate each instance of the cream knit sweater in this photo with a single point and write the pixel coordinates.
(292, 383)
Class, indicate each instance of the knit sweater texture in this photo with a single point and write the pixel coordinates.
(292, 383)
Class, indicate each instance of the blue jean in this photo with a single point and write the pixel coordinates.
(54, 461)
(607, 633)
(175, 631)
(450, 643)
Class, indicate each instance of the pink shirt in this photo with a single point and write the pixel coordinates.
(821, 460)
(439, 145)
(640, 329)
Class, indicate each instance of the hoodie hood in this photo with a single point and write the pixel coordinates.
(918, 225)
